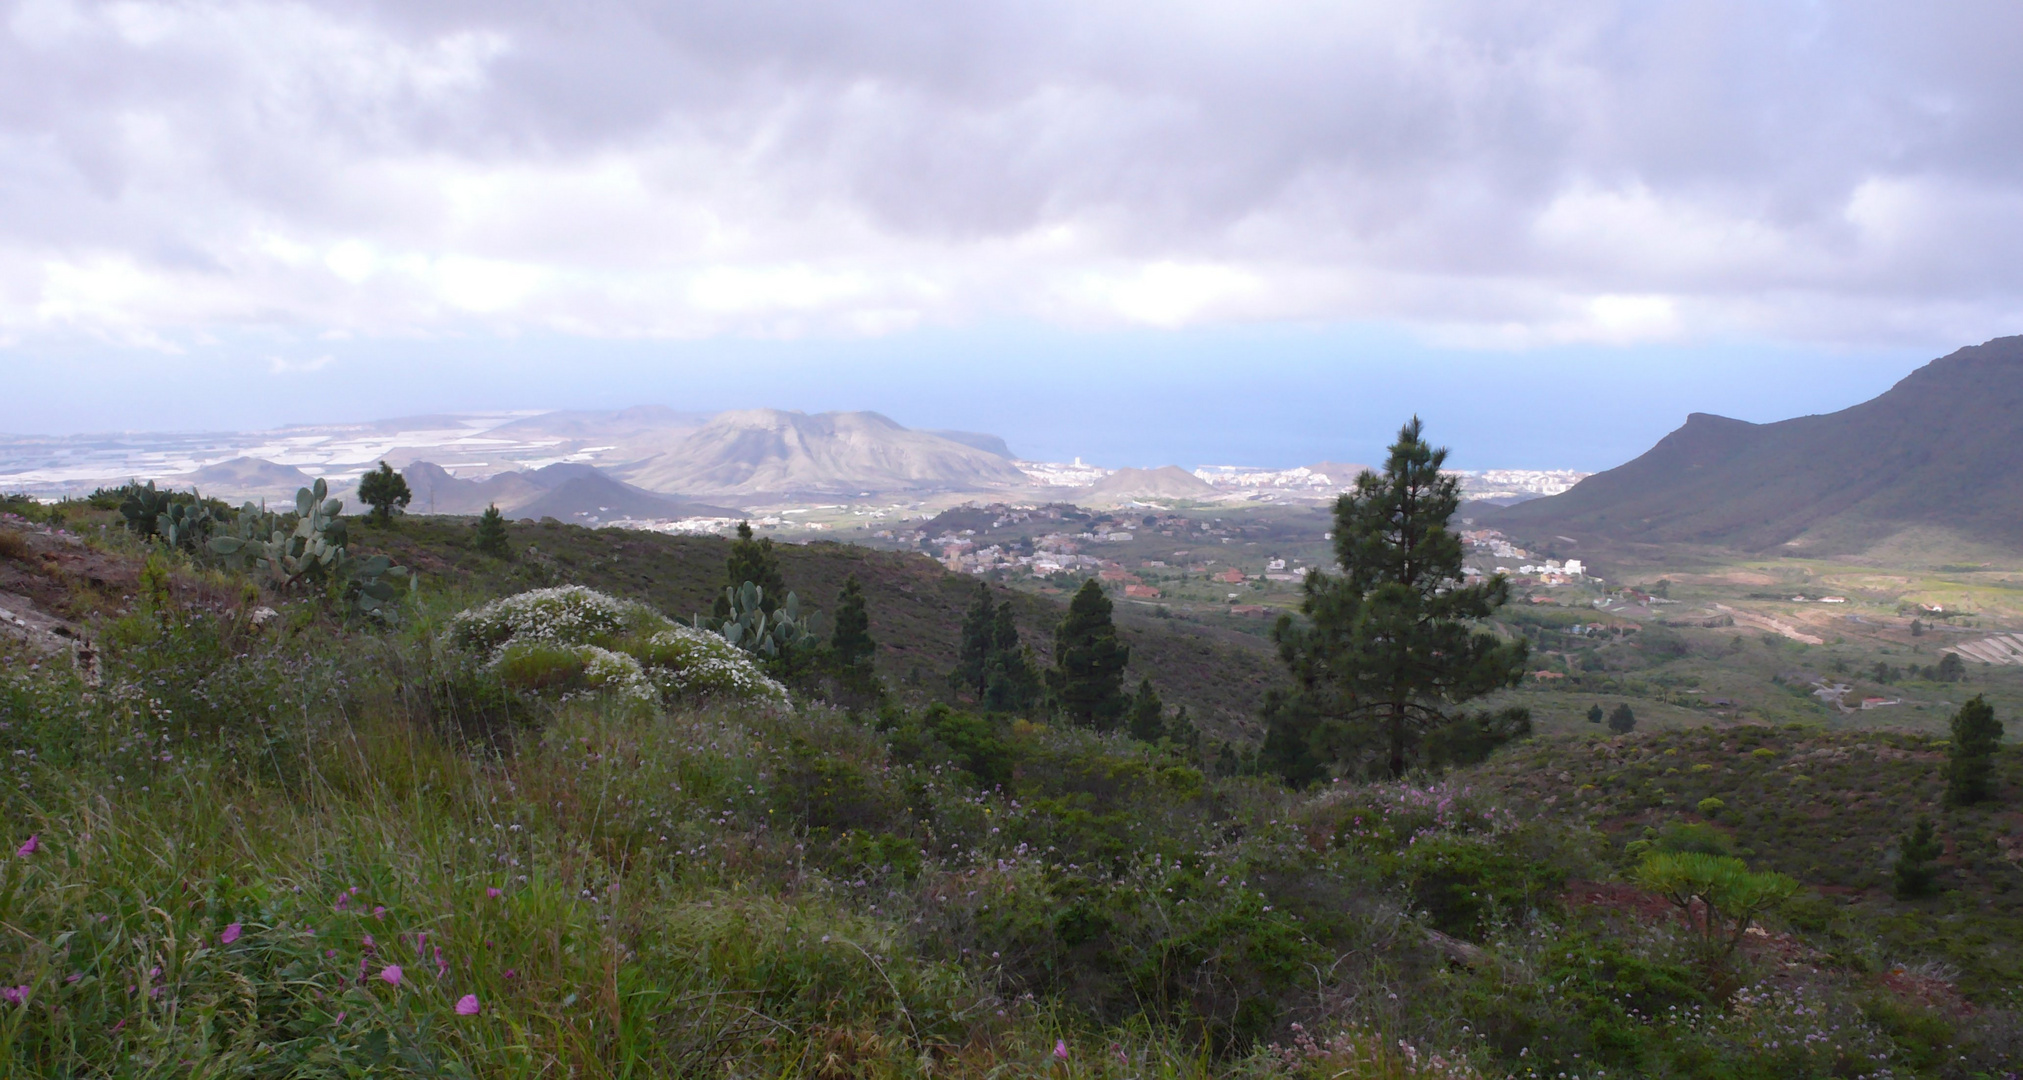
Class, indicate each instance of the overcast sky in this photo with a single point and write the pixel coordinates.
(1153, 231)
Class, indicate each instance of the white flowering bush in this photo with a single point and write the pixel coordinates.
(576, 640)
(693, 664)
(566, 615)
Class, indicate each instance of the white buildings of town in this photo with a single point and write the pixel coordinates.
(1056, 474)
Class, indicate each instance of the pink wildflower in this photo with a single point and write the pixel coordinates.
(14, 994)
(1060, 1049)
(230, 935)
(442, 966)
(33, 845)
(467, 1005)
(391, 973)
(370, 945)
(379, 913)
(495, 893)
(343, 901)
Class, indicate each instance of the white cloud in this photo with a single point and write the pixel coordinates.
(1490, 172)
(281, 365)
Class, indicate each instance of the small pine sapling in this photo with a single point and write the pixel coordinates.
(1916, 853)
(491, 538)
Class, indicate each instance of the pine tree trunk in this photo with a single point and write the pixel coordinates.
(1397, 742)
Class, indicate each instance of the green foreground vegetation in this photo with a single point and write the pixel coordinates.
(329, 843)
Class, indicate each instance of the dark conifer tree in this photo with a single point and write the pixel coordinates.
(1390, 648)
(1086, 683)
(1951, 668)
(1916, 853)
(972, 657)
(1594, 714)
(385, 491)
(1148, 714)
(1011, 679)
(491, 538)
(1622, 721)
(850, 643)
(1970, 772)
(752, 560)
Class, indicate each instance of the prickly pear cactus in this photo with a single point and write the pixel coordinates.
(750, 628)
(312, 553)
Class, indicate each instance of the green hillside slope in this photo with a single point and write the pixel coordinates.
(248, 843)
(1828, 808)
(916, 605)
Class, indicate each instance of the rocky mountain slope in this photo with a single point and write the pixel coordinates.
(1943, 448)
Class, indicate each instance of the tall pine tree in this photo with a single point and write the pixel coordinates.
(972, 657)
(1010, 682)
(1970, 774)
(1087, 679)
(1390, 648)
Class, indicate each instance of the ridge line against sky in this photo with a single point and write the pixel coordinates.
(1757, 209)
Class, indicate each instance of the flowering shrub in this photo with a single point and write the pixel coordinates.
(693, 664)
(573, 668)
(566, 615)
(576, 640)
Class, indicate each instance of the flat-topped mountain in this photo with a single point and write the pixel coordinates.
(1942, 449)
(774, 451)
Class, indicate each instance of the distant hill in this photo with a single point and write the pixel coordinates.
(1941, 449)
(772, 451)
(565, 491)
(245, 477)
(1166, 482)
(597, 497)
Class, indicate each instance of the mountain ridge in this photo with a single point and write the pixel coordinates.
(1939, 448)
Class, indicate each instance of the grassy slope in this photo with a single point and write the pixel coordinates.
(1825, 807)
(916, 606)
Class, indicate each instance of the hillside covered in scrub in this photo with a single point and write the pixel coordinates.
(260, 832)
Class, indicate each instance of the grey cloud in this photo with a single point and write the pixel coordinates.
(1487, 161)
